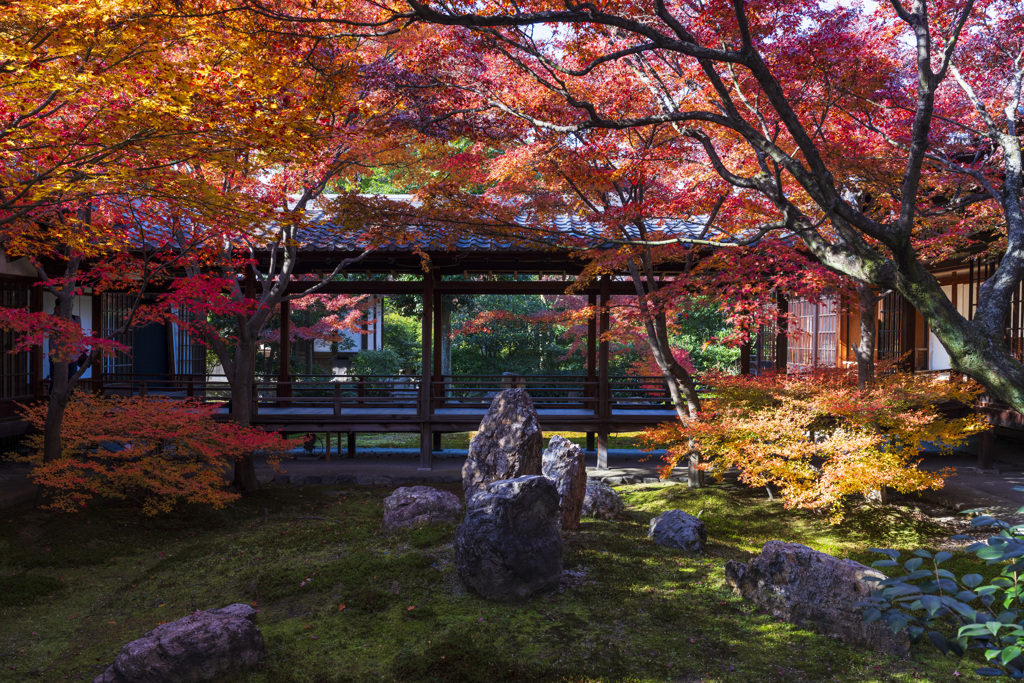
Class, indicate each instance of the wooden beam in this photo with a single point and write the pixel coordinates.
(619, 288)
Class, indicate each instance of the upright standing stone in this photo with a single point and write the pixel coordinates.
(563, 464)
(509, 547)
(811, 589)
(507, 445)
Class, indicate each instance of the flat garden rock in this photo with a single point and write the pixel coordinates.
(812, 589)
(678, 529)
(602, 501)
(195, 649)
(563, 464)
(507, 445)
(509, 547)
(415, 506)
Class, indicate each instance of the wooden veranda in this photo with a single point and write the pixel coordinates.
(349, 405)
(432, 403)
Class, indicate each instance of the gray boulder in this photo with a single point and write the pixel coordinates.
(507, 445)
(508, 547)
(602, 501)
(419, 506)
(678, 529)
(563, 464)
(200, 647)
(814, 590)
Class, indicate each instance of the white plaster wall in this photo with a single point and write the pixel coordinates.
(19, 267)
(82, 307)
(375, 339)
(938, 358)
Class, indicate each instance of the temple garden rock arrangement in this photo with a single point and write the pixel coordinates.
(602, 501)
(419, 506)
(509, 547)
(507, 445)
(678, 529)
(200, 647)
(563, 464)
(812, 589)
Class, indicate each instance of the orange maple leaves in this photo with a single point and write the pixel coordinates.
(818, 438)
(156, 452)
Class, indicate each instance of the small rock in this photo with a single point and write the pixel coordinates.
(508, 547)
(678, 529)
(420, 505)
(507, 445)
(602, 501)
(813, 589)
(195, 649)
(563, 464)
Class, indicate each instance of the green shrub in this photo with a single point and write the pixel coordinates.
(377, 362)
(958, 613)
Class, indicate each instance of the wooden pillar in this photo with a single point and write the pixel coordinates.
(908, 334)
(327, 446)
(437, 441)
(426, 354)
(36, 357)
(590, 441)
(351, 444)
(603, 379)
(745, 358)
(97, 330)
(284, 373)
(438, 355)
(782, 334)
(986, 441)
(591, 354)
(602, 449)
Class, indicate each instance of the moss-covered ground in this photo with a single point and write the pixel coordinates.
(342, 601)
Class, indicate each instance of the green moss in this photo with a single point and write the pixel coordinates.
(342, 601)
(25, 589)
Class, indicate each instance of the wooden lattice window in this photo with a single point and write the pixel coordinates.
(114, 308)
(16, 379)
(812, 341)
(764, 349)
(189, 354)
(891, 323)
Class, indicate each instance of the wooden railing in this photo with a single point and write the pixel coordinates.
(334, 395)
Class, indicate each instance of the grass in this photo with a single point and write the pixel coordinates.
(342, 601)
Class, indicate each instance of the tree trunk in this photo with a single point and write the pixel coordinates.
(60, 393)
(865, 350)
(241, 381)
(976, 348)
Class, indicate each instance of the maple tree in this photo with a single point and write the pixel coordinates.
(861, 440)
(146, 141)
(157, 452)
(878, 136)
